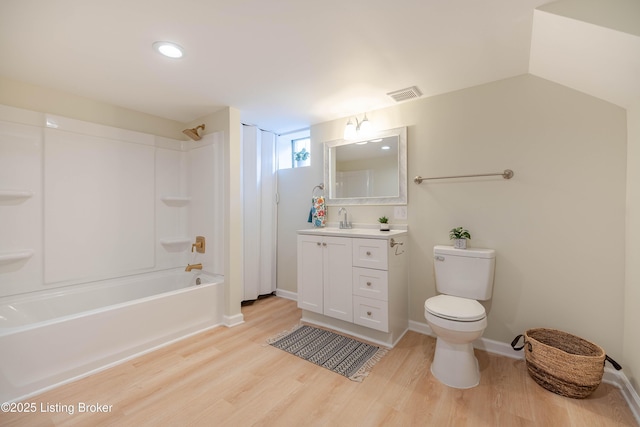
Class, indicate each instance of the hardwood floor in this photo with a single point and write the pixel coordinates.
(229, 377)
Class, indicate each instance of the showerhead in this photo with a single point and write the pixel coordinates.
(193, 133)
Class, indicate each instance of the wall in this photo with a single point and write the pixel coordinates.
(45, 100)
(632, 287)
(228, 122)
(557, 226)
(295, 187)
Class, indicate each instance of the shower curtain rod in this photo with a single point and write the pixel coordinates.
(507, 174)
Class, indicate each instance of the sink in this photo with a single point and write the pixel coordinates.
(353, 232)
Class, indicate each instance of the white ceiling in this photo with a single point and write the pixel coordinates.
(284, 64)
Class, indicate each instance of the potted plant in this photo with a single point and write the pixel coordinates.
(459, 235)
(384, 223)
(301, 156)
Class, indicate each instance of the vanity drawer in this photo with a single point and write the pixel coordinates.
(370, 253)
(371, 313)
(370, 283)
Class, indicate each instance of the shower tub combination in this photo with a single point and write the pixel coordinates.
(48, 339)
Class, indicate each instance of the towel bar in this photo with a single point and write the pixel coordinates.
(507, 174)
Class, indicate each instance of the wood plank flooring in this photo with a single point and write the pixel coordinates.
(229, 377)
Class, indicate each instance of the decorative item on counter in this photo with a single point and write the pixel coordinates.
(459, 235)
(384, 223)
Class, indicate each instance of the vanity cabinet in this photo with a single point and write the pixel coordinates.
(324, 276)
(356, 285)
(370, 284)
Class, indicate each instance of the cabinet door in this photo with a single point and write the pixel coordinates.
(310, 273)
(338, 276)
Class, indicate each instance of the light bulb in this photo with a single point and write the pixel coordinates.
(350, 131)
(365, 126)
(169, 49)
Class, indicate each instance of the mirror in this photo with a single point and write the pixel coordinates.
(370, 171)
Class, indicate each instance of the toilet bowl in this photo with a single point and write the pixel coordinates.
(463, 276)
(457, 322)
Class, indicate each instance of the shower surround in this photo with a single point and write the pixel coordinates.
(82, 203)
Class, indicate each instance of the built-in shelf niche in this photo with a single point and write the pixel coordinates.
(176, 201)
(6, 195)
(6, 258)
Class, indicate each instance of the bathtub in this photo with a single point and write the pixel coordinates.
(48, 339)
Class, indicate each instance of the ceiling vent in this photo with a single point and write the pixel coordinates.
(405, 94)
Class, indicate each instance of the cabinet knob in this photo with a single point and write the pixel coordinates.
(324, 244)
(368, 283)
(368, 253)
(318, 243)
(368, 313)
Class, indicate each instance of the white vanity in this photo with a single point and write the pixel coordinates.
(355, 281)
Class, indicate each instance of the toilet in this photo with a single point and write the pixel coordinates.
(463, 276)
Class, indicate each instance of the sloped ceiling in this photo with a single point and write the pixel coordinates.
(287, 64)
(590, 46)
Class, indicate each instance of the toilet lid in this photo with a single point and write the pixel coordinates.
(455, 308)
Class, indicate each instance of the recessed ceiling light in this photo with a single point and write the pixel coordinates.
(168, 49)
(385, 147)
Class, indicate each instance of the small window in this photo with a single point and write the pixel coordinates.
(294, 150)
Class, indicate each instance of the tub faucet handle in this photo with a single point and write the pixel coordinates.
(199, 245)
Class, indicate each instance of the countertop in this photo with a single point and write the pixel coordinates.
(367, 233)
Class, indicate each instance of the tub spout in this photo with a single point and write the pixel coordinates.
(193, 266)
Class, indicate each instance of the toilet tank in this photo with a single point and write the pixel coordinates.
(466, 273)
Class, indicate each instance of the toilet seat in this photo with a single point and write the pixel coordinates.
(455, 308)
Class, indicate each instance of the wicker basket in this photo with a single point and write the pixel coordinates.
(563, 363)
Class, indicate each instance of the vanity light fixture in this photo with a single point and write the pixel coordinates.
(169, 49)
(360, 128)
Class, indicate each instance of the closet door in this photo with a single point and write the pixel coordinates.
(268, 211)
(259, 208)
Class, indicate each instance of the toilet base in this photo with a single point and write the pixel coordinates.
(455, 365)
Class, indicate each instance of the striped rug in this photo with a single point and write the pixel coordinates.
(345, 356)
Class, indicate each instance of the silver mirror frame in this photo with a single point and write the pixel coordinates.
(329, 168)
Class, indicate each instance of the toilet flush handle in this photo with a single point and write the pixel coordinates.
(438, 258)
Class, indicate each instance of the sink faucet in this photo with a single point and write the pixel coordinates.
(193, 267)
(345, 223)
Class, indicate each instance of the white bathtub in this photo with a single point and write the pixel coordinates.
(48, 339)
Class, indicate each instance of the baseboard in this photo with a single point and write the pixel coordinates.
(287, 294)
(231, 321)
(421, 328)
(611, 376)
(491, 346)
